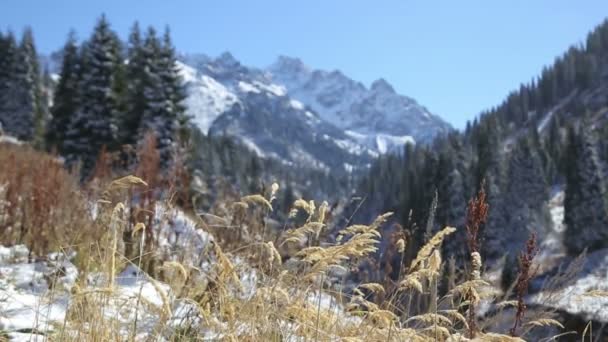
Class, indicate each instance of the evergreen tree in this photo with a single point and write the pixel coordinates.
(21, 110)
(46, 92)
(524, 201)
(136, 101)
(8, 65)
(585, 206)
(161, 88)
(174, 82)
(92, 126)
(65, 101)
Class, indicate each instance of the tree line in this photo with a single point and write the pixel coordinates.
(109, 93)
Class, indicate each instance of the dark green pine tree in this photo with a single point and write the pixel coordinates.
(92, 127)
(524, 200)
(9, 57)
(161, 88)
(177, 92)
(21, 112)
(31, 86)
(47, 88)
(585, 203)
(65, 101)
(135, 100)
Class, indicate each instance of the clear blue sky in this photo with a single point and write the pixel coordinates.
(455, 57)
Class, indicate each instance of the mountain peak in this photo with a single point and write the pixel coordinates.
(226, 58)
(381, 85)
(289, 65)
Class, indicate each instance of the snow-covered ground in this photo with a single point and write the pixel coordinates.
(587, 295)
(552, 246)
(576, 297)
(35, 297)
(9, 140)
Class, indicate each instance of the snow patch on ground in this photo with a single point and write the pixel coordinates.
(552, 246)
(9, 140)
(35, 296)
(575, 299)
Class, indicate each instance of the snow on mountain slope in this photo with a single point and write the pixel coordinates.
(351, 106)
(226, 98)
(383, 143)
(273, 126)
(207, 99)
(299, 115)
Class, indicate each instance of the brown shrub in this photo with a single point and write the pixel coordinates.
(41, 205)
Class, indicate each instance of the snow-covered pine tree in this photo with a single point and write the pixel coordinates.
(171, 76)
(136, 101)
(65, 101)
(585, 204)
(526, 196)
(8, 67)
(92, 125)
(157, 115)
(161, 88)
(20, 112)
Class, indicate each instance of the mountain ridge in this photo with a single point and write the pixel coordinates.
(354, 122)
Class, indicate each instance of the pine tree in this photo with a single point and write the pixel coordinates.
(162, 90)
(65, 101)
(585, 204)
(92, 126)
(31, 88)
(136, 102)
(524, 200)
(46, 92)
(172, 78)
(21, 110)
(8, 66)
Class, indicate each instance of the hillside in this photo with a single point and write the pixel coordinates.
(547, 138)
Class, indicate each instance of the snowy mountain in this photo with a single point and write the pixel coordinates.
(378, 112)
(292, 113)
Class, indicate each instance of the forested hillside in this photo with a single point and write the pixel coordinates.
(547, 136)
(108, 93)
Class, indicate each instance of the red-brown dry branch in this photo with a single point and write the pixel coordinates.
(523, 280)
(477, 214)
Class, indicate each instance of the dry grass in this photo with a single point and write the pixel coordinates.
(41, 204)
(263, 284)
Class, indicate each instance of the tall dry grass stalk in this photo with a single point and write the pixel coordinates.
(268, 284)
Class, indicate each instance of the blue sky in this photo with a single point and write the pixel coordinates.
(455, 57)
